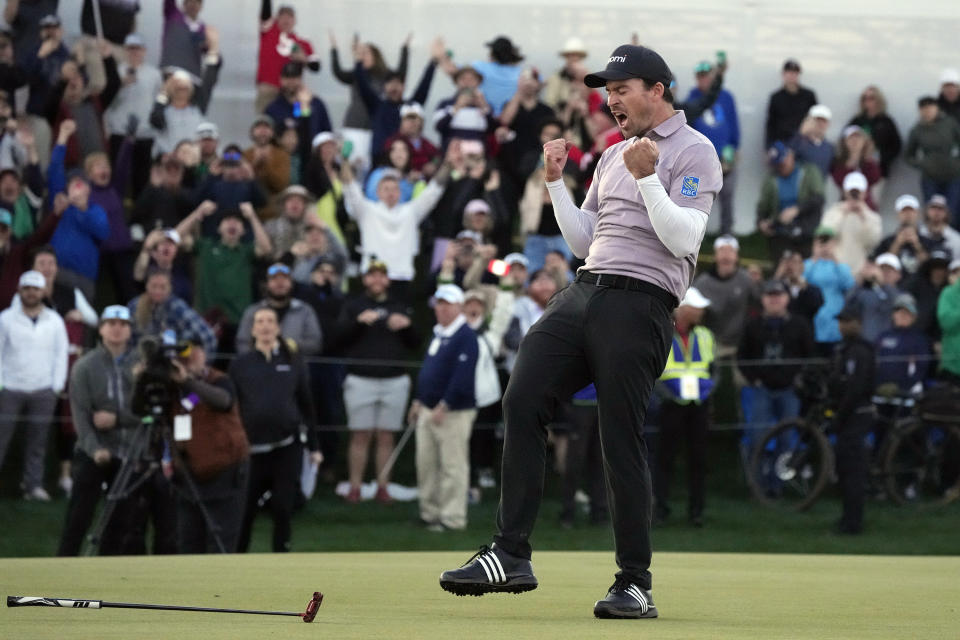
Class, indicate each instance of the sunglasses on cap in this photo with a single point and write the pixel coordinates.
(232, 156)
(278, 268)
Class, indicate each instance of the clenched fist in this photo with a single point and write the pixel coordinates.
(554, 158)
(640, 157)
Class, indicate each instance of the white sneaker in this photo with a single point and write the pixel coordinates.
(37, 493)
(66, 484)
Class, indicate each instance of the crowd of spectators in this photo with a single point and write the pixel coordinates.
(315, 241)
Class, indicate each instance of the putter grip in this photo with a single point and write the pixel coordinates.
(35, 601)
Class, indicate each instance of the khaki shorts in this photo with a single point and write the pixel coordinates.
(375, 403)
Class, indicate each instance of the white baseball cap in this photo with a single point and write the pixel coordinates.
(852, 129)
(855, 181)
(950, 76)
(955, 264)
(320, 138)
(693, 298)
(517, 258)
(449, 293)
(726, 240)
(474, 236)
(888, 259)
(32, 279)
(207, 131)
(477, 205)
(411, 109)
(906, 201)
(820, 111)
(115, 312)
(172, 235)
(134, 40)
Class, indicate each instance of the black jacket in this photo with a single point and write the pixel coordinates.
(806, 302)
(885, 135)
(274, 396)
(327, 302)
(926, 294)
(785, 113)
(852, 377)
(773, 339)
(376, 341)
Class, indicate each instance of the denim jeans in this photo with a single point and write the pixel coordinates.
(769, 407)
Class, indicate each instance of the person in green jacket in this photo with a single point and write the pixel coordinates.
(791, 203)
(933, 147)
(948, 315)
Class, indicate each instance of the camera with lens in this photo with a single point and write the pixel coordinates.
(155, 388)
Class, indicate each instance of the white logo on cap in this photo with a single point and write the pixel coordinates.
(617, 59)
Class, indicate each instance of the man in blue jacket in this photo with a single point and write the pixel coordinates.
(903, 351)
(722, 127)
(444, 410)
(83, 225)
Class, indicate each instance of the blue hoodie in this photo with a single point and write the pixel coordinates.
(834, 280)
(79, 233)
(719, 123)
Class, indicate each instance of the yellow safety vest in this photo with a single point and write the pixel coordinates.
(687, 374)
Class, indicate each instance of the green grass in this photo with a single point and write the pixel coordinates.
(395, 595)
(733, 524)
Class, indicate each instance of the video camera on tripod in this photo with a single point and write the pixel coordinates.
(155, 393)
(155, 388)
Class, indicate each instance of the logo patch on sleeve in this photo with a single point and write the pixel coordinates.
(691, 186)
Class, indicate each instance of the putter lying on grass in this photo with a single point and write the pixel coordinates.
(31, 601)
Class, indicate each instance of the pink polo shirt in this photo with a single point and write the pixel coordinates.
(624, 242)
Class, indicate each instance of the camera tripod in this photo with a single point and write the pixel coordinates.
(139, 466)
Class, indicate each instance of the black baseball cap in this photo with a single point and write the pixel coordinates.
(791, 65)
(632, 61)
(773, 287)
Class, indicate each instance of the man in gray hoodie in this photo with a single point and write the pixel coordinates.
(298, 321)
(101, 389)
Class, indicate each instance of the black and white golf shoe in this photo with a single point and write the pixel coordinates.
(490, 570)
(625, 600)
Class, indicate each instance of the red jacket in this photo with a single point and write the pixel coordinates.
(275, 50)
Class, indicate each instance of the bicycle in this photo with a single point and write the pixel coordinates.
(917, 461)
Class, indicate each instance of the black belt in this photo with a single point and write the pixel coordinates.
(615, 281)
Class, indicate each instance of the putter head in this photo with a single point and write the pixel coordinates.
(312, 607)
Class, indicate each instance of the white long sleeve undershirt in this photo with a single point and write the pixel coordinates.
(680, 229)
(575, 224)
